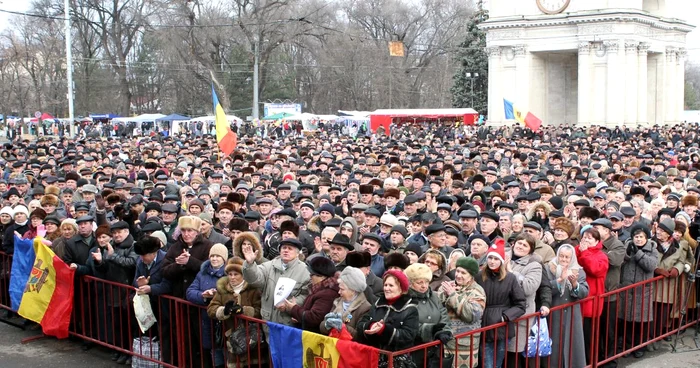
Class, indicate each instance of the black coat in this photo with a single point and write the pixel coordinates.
(120, 266)
(79, 253)
(182, 276)
(401, 324)
(8, 241)
(505, 301)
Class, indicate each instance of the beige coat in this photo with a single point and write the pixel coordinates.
(358, 308)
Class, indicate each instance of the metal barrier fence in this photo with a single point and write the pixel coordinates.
(632, 318)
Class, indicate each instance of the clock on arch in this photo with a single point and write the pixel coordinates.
(552, 6)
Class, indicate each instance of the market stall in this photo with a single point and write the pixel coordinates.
(385, 117)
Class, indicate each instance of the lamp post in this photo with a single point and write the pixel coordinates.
(471, 77)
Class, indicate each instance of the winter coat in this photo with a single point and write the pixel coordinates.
(595, 264)
(528, 271)
(401, 324)
(441, 274)
(355, 232)
(377, 265)
(159, 285)
(206, 279)
(78, 252)
(264, 276)
(319, 302)
(667, 289)
(566, 325)
(8, 240)
(375, 287)
(237, 246)
(430, 312)
(636, 305)
(545, 251)
(182, 276)
(465, 309)
(615, 250)
(217, 238)
(505, 301)
(351, 316)
(119, 267)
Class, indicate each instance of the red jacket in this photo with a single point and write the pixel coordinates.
(595, 264)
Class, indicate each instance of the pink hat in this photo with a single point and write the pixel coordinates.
(498, 249)
(400, 276)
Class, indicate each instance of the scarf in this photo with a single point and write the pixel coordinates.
(238, 288)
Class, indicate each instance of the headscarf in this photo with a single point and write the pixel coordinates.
(558, 269)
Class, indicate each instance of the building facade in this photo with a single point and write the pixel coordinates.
(593, 62)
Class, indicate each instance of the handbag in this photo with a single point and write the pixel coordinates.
(238, 344)
(539, 343)
(147, 347)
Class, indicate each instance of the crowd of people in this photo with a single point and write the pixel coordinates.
(392, 240)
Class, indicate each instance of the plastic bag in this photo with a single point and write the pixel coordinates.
(539, 343)
(143, 312)
(148, 348)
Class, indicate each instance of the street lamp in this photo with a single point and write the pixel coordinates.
(471, 77)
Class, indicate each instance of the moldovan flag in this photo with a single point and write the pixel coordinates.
(528, 119)
(48, 295)
(226, 139)
(294, 348)
(22, 262)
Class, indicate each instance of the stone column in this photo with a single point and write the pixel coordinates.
(631, 80)
(669, 85)
(522, 72)
(496, 112)
(680, 83)
(584, 83)
(614, 102)
(642, 83)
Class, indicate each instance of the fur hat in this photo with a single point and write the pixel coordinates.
(418, 271)
(235, 197)
(239, 224)
(396, 260)
(72, 176)
(366, 189)
(354, 279)
(419, 175)
(39, 212)
(638, 227)
(546, 190)
(219, 250)
(225, 206)
(103, 230)
(114, 198)
(321, 266)
(189, 222)
(636, 190)
(589, 212)
(289, 225)
(146, 245)
(469, 264)
(400, 277)
(52, 200)
(53, 190)
(358, 259)
(565, 224)
(234, 264)
(392, 192)
(687, 200)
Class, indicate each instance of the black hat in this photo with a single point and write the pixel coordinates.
(375, 237)
(396, 260)
(343, 241)
(86, 218)
(533, 225)
(321, 266)
(152, 226)
(628, 211)
(489, 214)
(153, 206)
(372, 212)
(119, 225)
(434, 228)
(401, 230)
(292, 242)
(468, 214)
(252, 216)
(358, 259)
(415, 248)
(147, 245)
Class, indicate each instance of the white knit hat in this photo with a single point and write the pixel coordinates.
(7, 210)
(21, 209)
(354, 279)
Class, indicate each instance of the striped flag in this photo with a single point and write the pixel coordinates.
(226, 139)
(528, 119)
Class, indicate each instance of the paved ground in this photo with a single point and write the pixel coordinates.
(52, 353)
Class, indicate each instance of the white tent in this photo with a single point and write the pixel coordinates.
(211, 118)
(143, 118)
